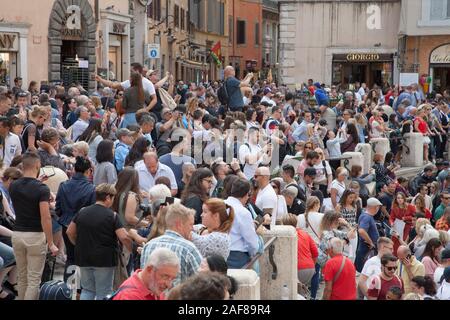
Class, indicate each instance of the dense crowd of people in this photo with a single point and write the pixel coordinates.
(155, 188)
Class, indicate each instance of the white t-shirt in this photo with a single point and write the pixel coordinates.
(267, 199)
(314, 219)
(443, 293)
(340, 187)
(375, 132)
(245, 150)
(282, 208)
(147, 84)
(372, 267)
(322, 173)
(270, 101)
(438, 273)
(10, 149)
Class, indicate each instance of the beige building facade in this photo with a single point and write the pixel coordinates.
(61, 41)
(424, 41)
(339, 41)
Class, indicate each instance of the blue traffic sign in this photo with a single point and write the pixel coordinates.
(153, 53)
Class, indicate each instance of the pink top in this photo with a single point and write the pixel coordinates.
(430, 265)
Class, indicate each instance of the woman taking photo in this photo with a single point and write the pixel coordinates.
(352, 139)
(213, 236)
(197, 191)
(93, 136)
(105, 171)
(338, 186)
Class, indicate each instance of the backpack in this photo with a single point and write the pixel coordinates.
(222, 94)
(55, 290)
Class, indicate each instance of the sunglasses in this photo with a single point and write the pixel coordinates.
(391, 268)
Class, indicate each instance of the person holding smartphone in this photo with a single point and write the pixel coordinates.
(408, 267)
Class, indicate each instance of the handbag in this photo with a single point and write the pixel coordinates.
(120, 272)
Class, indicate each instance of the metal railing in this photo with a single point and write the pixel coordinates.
(271, 247)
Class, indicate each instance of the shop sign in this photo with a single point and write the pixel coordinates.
(441, 55)
(119, 28)
(363, 57)
(9, 42)
(72, 24)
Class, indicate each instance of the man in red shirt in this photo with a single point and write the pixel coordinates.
(339, 274)
(381, 284)
(148, 284)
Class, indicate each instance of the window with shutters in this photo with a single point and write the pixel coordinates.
(257, 34)
(240, 32)
(182, 18)
(435, 13)
(154, 10)
(230, 29)
(176, 16)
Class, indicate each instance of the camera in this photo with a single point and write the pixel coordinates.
(146, 209)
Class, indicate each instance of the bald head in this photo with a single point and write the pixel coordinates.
(151, 162)
(229, 72)
(262, 177)
(263, 171)
(403, 252)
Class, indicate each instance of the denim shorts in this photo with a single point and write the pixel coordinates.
(56, 227)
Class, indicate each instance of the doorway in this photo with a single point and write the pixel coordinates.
(441, 79)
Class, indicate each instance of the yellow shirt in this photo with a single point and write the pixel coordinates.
(417, 269)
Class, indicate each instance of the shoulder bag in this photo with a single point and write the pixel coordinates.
(336, 276)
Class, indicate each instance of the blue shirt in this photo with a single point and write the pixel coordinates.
(367, 222)
(233, 86)
(401, 97)
(300, 133)
(321, 97)
(73, 195)
(175, 163)
(120, 155)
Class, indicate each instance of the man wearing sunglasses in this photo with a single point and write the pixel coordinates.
(445, 202)
(380, 284)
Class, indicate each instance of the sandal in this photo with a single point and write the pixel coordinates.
(11, 287)
(8, 297)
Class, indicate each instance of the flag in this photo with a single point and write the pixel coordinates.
(216, 53)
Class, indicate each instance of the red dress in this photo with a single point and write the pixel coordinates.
(406, 214)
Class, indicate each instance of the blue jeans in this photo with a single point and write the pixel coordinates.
(361, 255)
(315, 281)
(237, 259)
(96, 283)
(128, 118)
(6, 256)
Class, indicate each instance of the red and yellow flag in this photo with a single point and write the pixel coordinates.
(216, 53)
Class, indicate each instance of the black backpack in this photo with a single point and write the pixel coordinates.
(222, 95)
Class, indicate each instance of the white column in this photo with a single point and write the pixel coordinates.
(23, 57)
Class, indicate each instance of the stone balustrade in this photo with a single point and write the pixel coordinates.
(412, 154)
(381, 146)
(366, 150)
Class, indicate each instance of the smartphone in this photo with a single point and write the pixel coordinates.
(170, 200)
(259, 221)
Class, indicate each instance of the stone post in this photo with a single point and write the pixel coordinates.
(412, 154)
(366, 150)
(285, 259)
(357, 158)
(248, 284)
(381, 146)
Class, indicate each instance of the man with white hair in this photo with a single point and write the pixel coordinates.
(159, 192)
(177, 238)
(339, 274)
(81, 124)
(161, 269)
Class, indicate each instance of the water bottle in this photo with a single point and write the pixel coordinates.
(285, 293)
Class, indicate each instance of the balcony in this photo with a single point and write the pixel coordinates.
(271, 5)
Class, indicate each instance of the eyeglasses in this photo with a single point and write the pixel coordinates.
(209, 181)
(391, 268)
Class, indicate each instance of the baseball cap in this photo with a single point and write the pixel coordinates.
(317, 85)
(267, 90)
(123, 132)
(311, 172)
(445, 254)
(373, 202)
